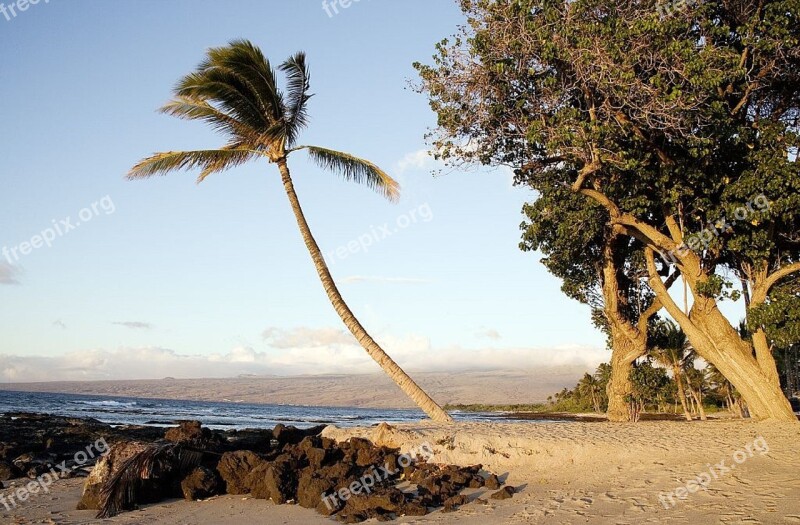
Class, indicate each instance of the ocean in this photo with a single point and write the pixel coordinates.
(216, 415)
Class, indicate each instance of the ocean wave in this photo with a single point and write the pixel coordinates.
(106, 403)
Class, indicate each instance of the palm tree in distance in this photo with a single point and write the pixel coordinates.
(235, 91)
(672, 350)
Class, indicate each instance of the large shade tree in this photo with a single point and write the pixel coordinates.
(235, 90)
(675, 126)
(600, 269)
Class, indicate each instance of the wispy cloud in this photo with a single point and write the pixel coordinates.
(414, 353)
(9, 273)
(376, 279)
(58, 323)
(416, 160)
(492, 334)
(134, 325)
(306, 337)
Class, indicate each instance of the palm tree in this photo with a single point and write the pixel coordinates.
(235, 91)
(725, 389)
(697, 384)
(672, 350)
(589, 387)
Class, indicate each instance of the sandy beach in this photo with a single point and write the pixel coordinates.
(572, 472)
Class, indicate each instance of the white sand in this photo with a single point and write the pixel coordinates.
(602, 473)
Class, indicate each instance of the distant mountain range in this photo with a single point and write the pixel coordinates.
(373, 390)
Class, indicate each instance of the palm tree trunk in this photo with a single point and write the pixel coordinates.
(676, 372)
(698, 400)
(406, 384)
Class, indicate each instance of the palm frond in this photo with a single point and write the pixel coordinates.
(224, 89)
(355, 169)
(298, 84)
(189, 108)
(252, 68)
(211, 161)
(144, 477)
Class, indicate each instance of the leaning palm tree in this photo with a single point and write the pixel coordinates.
(235, 91)
(672, 350)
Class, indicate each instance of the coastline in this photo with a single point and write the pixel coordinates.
(356, 390)
(571, 472)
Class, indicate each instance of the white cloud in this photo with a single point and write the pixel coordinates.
(374, 279)
(134, 325)
(9, 273)
(299, 351)
(490, 334)
(417, 160)
(306, 337)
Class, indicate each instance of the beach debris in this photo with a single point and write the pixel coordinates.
(104, 469)
(146, 477)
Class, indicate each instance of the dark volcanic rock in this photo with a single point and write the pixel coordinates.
(8, 471)
(275, 481)
(492, 482)
(188, 433)
(235, 467)
(256, 440)
(454, 502)
(292, 436)
(381, 504)
(310, 490)
(504, 493)
(202, 483)
(285, 465)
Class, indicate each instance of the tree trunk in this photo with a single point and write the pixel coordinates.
(676, 372)
(623, 354)
(406, 384)
(764, 357)
(698, 400)
(718, 343)
(723, 347)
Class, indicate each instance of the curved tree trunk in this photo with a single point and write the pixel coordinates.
(676, 372)
(406, 384)
(717, 342)
(757, 386)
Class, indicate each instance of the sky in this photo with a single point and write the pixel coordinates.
(102, 278)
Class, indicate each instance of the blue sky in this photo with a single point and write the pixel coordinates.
(183, 279)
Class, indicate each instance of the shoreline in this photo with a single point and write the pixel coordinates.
(596, 472)
(374, 390)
